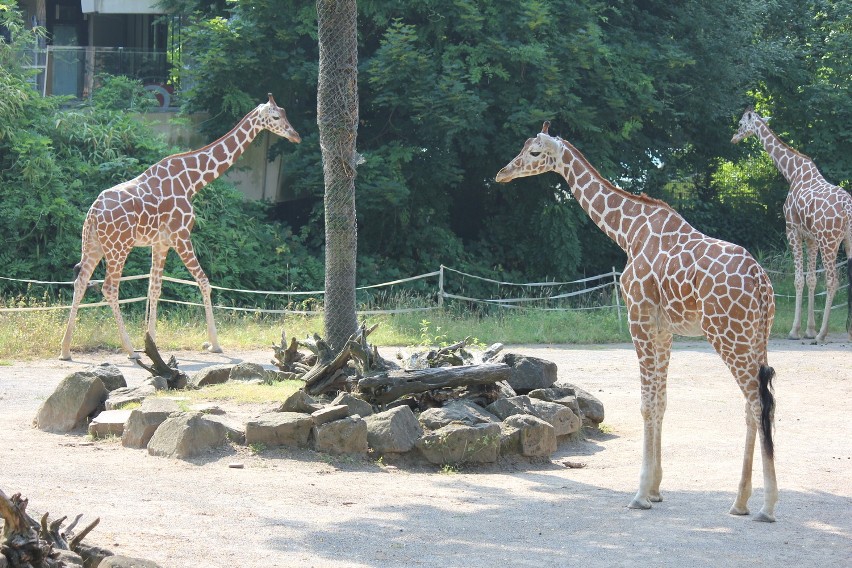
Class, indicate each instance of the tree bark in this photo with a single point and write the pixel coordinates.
(387, 387)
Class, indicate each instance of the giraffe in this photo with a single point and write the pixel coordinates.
(817, 214)
(155, 210)
(676, 281)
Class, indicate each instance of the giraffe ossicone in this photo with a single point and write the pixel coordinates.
(676, 281)
(155, 210)
(818, 217)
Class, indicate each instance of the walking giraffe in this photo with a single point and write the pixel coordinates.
(676, 281)
(818, 215)
(155, 210)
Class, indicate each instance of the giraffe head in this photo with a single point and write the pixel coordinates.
(748, 125)
(274, 119)
(539, 155)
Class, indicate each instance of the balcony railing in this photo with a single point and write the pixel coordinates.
(74, 71)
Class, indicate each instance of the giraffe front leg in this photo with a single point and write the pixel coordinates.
(187, 254)
(740, 506)
(829, 260)
(653, 362)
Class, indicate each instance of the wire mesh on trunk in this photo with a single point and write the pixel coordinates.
(337, 117)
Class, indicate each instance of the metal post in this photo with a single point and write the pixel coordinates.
(441, 287)
(617, 293)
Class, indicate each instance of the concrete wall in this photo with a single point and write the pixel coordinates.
(255, 176)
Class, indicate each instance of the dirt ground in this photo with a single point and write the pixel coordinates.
(300, 508)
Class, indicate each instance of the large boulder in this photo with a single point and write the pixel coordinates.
(529, 373)
(144, 421)
(393, 431)
(356, 405)
(560, 394)
(280, 429)
(591, 408)
(249, 372)
(462, 411)
(129, 395)
(212, 375)
(457, 443)
(527, 435)
(300, 401)
(562, 418)
(502, 408)
(186, 435)
(345, 436)
(235, 430)
(77, 396)
(110, 375)
(330, 414)
(108, 423)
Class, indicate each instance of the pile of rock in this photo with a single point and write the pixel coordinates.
(532, 414)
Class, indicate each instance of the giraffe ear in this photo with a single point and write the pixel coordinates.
(545, 126)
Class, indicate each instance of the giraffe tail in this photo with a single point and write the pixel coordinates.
(767, 403)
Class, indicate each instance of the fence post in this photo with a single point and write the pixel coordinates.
(617, 293)
(441, 287)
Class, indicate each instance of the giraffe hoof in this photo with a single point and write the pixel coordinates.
(212, 349)
(738, 510)
(640, 503)
(64, 357)
(764, 517)
(658, 498)
(134, 356)
(794, 336)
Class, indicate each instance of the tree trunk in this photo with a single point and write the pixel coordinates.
(387, 387)
(337, 117)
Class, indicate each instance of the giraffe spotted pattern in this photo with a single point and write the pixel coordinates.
(676, 281)
(155, 210)
(818, 216)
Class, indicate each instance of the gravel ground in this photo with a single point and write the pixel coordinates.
(300, 508)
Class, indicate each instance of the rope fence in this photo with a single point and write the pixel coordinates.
(597, 292)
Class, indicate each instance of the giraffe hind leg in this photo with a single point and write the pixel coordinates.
(82, 275)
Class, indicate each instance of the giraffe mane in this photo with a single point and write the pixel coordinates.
(207, 146)
(781, 141)
(641, 198)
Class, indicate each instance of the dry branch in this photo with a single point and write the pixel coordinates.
(387, 387)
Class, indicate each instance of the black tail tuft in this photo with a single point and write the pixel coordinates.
(767, 402)
(849, 292)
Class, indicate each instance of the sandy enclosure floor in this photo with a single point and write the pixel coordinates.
(300, 508)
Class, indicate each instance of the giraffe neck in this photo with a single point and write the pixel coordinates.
(616, 212)
(211, 161)
(789, 162)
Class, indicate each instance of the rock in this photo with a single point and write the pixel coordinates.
(212, 375)
(393, 431)
(356, 405)
(159, 383)
(235, 430)
(592, 409)
(108, 423)
(77, 396)
(186, 435)
(280, 429)
(92, 555)
(109, 374)
(463, 411)
(247, 372)
(506, 390)
(120, 397)
(560, 394)
(527, 435)
(562, 418)
(126, 562)
(457, 443)
(330, 414)
(300, 401)
(530, 373)
(345, 436)
(145, 420)
(502, 408)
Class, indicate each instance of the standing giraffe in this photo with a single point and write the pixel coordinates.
(817, 214)
(677, 280)
(155, 210)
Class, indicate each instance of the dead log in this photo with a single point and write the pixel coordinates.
(28, 543)
(159, 368)
(289, 359)
(386, 387)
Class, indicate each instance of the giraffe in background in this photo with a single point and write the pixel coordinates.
(818, 215)
(676, 281)
(155, 210)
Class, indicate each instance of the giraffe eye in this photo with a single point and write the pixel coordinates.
(275, 116)
(535, 154)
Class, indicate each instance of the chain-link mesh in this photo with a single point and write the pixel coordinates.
(337, 117)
